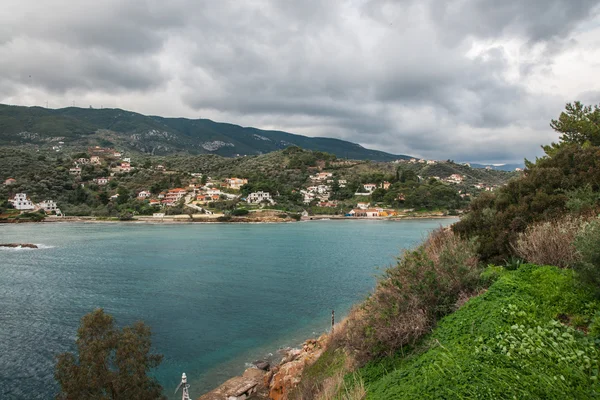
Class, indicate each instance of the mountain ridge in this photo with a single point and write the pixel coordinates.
(156, 135)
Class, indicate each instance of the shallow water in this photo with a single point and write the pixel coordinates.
(216, 295)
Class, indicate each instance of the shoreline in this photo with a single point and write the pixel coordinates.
(187, 220)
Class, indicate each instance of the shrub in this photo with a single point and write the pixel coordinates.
(587, 243)
(410, 297)
(239, 212)
(550, 243)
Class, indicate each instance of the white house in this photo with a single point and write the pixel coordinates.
(101, 181)
(455, 178)
(95, 160)
(259, 197)
(50, 206)
(22, 202)
(75, 171)
(362, 206)
(144, 194)
(369, 187)
(321, 176)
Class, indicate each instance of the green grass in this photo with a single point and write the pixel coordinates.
(507, 343)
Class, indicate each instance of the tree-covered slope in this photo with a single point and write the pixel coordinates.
(80, 127)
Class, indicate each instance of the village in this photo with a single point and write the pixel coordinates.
(202, 194)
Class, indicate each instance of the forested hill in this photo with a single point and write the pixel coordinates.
(126, 130)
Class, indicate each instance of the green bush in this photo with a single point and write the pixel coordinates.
(587, 243)
(239, 212)
(425, 285)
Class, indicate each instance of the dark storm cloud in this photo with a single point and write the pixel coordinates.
(432, 78)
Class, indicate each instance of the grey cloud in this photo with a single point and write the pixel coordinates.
(390, 74)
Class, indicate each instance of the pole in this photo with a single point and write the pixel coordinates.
(332, 319)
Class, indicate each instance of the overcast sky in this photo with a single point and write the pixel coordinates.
(469, 80)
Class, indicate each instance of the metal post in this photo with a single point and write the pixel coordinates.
(332, 319)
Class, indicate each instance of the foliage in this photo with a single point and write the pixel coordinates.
(495, 220)
(578, 124)
(411, 296)
(110, 363)
(239, 212)
(587, 243)
(550, 242)
(505, 343)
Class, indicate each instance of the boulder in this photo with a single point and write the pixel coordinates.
(20, 245)
(262, 364)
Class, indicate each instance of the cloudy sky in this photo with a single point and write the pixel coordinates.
(469, 80)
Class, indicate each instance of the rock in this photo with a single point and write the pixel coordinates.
(20, 245)
(262, 364)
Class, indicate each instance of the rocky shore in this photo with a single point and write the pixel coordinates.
(264, 381)
(19, 245)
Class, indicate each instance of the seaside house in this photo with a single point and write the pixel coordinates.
(259, 197)
(49, 206)
(10, 181)
(22, 202)
(331, 204)
(174, 195)
(235, 183)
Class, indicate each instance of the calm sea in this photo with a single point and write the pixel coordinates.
(217, 296)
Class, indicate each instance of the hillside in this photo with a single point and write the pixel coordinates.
(126, 130)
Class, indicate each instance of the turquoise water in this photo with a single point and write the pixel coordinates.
(216, 295)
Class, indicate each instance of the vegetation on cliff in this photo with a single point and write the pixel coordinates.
(445, 323)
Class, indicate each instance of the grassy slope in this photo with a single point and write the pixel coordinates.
(506, 343)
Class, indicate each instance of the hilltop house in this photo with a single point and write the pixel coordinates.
(369, 187)
(101, 181)
(75, 171)
(321, 176)
(235, 183)
(363, 206)
(22, 202)
(455, 178)
(125, 167)
(259, 197)
(144, 194)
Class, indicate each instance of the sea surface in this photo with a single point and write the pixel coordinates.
(217, 296)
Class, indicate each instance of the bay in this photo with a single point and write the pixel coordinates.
(216, 296)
